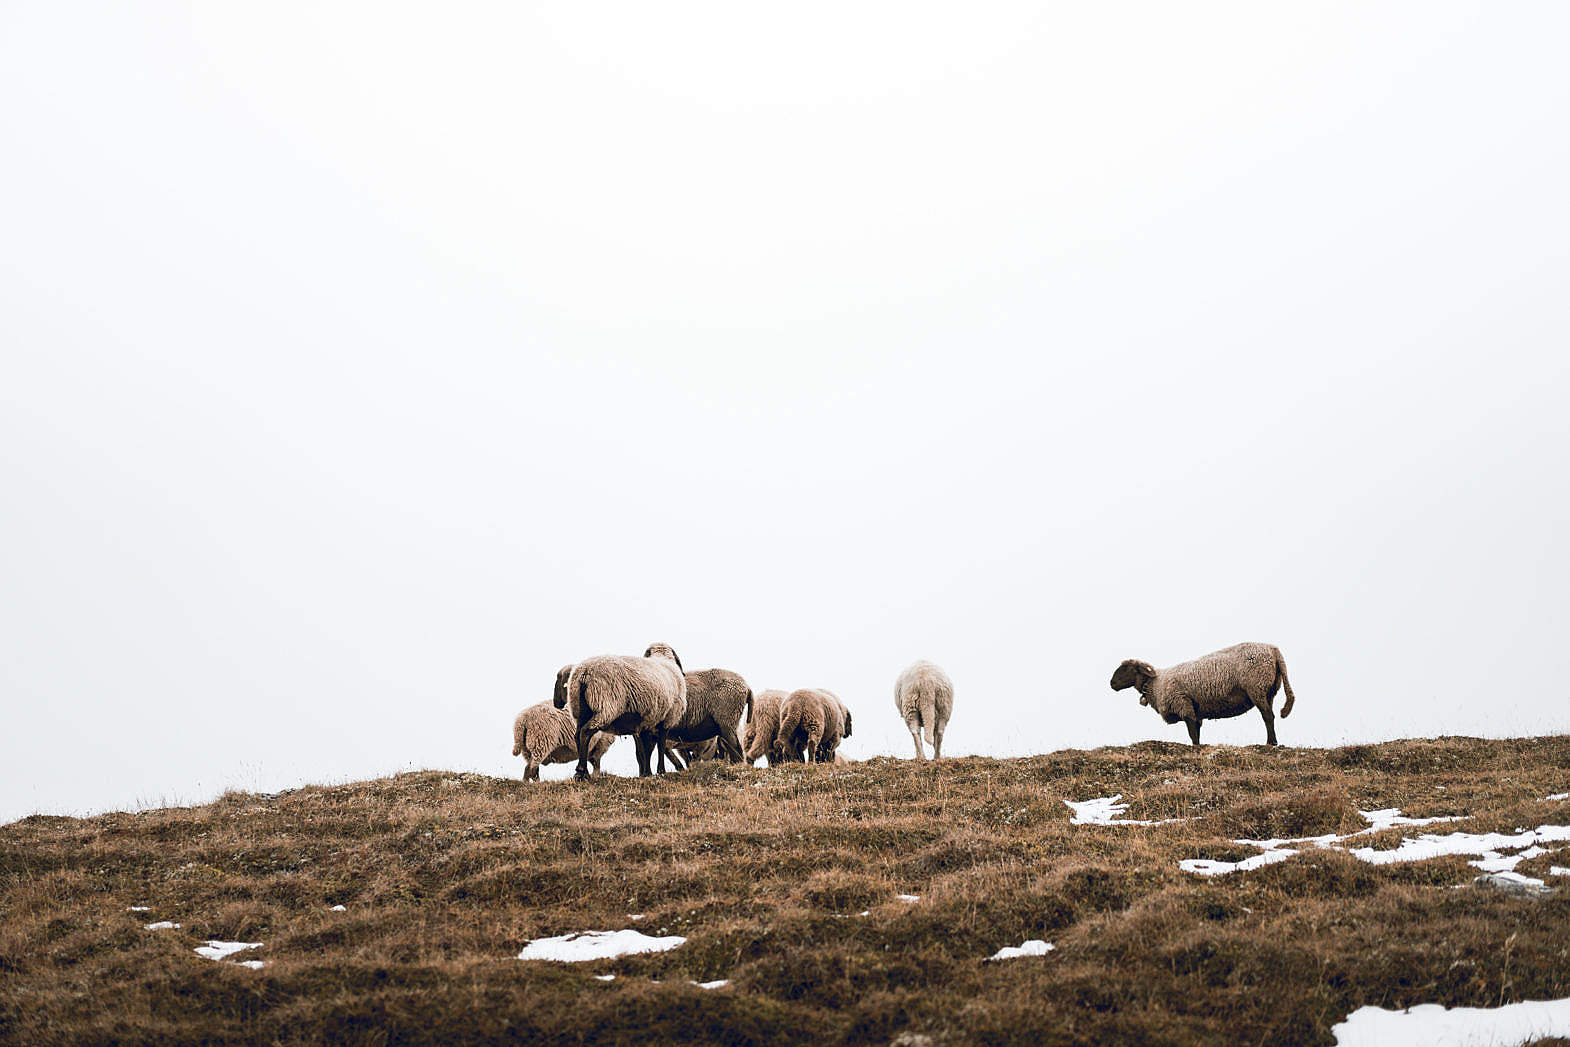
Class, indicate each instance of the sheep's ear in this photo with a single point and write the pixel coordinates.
(676, 658)
(648, 651)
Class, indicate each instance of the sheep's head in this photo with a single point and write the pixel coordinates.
(663, 650)
(1134, 673)
(559, 698)
(847, 724)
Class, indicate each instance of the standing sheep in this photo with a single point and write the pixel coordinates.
(544, 734)
(813, 721)
(924, 696)
(644, 697)
(1223, 683)
(763, 728)
(716, 699)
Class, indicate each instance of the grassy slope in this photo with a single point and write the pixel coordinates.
(446, 877)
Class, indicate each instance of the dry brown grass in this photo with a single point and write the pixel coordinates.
(446, 877)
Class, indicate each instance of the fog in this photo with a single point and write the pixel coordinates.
(362, 364)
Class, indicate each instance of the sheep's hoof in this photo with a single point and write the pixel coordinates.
(580, 776)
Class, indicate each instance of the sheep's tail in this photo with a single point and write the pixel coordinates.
(927, 702)
(520, 737)
(595, 694)
(790, 719)
(749, 705)
(1286, 685)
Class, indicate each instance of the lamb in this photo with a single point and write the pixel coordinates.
(924, 696)
(644, 697)
(716, 699)
(813, 721)
(1223, 683)
(763, 728)
(543, 734)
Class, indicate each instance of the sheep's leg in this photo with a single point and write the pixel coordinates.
(915, 734)
(659, 745)
(1270, 722)
(640, 742)
(937, 743)
(585, 739)
(731, 744)
(676, 760)
(531, 773)
(1193, 730)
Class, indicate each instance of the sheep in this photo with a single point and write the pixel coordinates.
(763, 728)
(813, 721)
(924, 696)
(1223, 683)
(716, 699)
(544, 734)
(695, 752)
(644, 697)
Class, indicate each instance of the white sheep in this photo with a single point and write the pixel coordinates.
(543, 734)
(644, 697)
(924, 696)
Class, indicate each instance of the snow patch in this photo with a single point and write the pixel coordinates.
(1487, 847)
(1106, 810)
(338, 908)
(596, 945)
(1432, 1025)
(604, 977)
(254, 965)
(1031, 947)
(908, 897)
(216, 950)
(713, 985)
(1558, 870)
(1557, 796)
(162, 925)
(1206, 867)
(139, 908)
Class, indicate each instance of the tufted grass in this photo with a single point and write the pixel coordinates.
(445, 877)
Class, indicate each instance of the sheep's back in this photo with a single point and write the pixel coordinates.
(764, 726)
(717, 693)
(924, 678)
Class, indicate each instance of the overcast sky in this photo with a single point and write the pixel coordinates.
(362, 364)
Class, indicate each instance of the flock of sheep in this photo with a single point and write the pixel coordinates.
(680, 716)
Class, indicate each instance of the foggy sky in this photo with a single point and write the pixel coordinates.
(362, 364)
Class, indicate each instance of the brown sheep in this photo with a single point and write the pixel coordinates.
(763, 728)
(644, 697)
(1223, 683)
(716, 699)
(813, 721)
(543, 734)
(924, 696)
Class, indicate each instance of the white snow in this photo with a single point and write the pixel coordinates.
(254, 965)
(596, 945)
(636, 916)
(1487, 847)
(604, 977)
(1433, 1026)
(1558, 796)
(1106, 810)
(1206, 867)
(908, 897)
(1558, 870)
(215, 950)
(338, 908)
(162, 925)
(140, 908)
(1031, 947)
(713, 985)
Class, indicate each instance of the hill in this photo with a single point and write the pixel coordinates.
(786, 885)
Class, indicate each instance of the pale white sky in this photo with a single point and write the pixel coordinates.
(363, 363)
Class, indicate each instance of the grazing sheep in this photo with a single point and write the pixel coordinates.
(763, 728)
(924, 696)
(716, 699)
(813, 721)
(694, 752)
(543, 734)
(644, 697)
(1223, 683)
